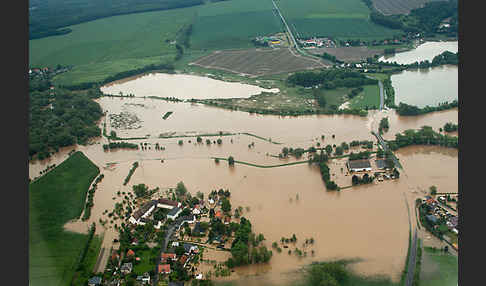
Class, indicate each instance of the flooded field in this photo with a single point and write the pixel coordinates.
(426, 87)
(369, 222)
(426, 51)
(182, 86)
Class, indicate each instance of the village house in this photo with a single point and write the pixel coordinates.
(381, 164)
(144, 211)
(130, 253)
(359, 165)
(126, 268)
(167, 204)
(164, 269)
(145, 278)
(218, 214)
(190, 248)
(164, 257)
(174, 213)
(196, 210)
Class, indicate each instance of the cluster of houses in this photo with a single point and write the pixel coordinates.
(438, 212)
(44, 71)
(317, 43)
(168, 258)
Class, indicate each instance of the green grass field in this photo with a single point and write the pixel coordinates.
(107, 46)
(369, 97)
(438, 269)
(232, 24)
(54, 199)
(330, 18)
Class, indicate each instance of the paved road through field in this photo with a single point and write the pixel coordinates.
(411, 260)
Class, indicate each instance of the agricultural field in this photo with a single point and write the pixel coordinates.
(438, 268)
(104, 47)
(55, 199)
(391, 7)
(257, 62)
(370, 97)
(233, 24)
(335, 19)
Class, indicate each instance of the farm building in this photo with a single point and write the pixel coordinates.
(382, 164)
(167, 204)
(359, 165)
(174, 213)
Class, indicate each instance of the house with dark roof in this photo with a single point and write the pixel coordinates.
(190, 248)
(197, 229)
(174, 213)
(167, 204)
(94, 281)
(143, 212)
(382, 164)
(359, 165)
(176, 283)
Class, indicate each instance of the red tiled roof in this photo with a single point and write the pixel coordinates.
(167, 202)
(164, 268)
(218, 214)
(166, 256)
(130, 252)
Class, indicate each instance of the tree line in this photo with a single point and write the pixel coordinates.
(330, 78)
(410, 110)
(46, 19)
(60, 118)
(423, 136)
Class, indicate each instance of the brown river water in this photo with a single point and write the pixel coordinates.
(367, 222)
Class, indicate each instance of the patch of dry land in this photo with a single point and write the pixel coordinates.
(257, 62)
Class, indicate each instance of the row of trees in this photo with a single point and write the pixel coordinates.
(330, 78)
(410, 110)
(130, 173)
(117, 145)
(424, 136)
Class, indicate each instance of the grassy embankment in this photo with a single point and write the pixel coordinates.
(55, 199)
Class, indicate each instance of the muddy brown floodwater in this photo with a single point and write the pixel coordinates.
(169, 85)
(366, 222)
(425, 51)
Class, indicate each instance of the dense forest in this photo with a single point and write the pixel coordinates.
(59, 118)
(46, 17)
(330, 78)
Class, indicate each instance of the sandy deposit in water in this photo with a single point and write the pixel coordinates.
(425, 51)
(183, 86)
